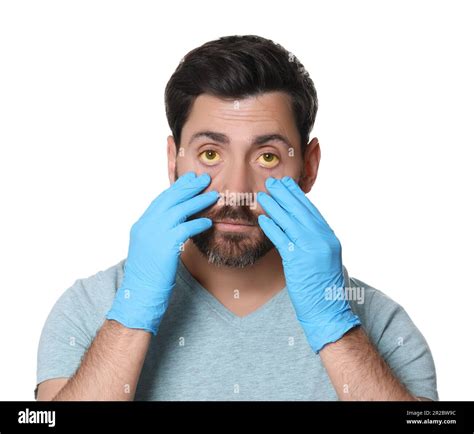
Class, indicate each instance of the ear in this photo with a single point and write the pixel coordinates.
(311, 159)
(171, 152)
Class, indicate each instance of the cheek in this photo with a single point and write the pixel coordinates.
(185, 164)
(260, 178)
(280, 171)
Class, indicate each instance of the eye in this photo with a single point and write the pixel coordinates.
(210, 157)
(268, 160)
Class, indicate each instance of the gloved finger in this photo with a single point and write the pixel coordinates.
(275, 234)
(186, 191)
(288, 201)
(278, 215)
(186, 187)
(185, 177)
(294, 188)
(190, 228)
(182, 211)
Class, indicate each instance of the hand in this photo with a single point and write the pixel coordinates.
(311, 257)
(155, 245)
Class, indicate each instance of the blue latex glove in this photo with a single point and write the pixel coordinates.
(156, 241)
(311, 257)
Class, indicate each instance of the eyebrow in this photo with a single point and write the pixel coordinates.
(257, 140)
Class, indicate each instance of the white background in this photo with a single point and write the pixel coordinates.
(83, 134)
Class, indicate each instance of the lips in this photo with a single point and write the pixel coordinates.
(234, 222)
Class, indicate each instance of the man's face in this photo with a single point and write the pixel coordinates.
(239, 143)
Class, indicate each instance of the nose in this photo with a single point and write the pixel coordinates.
(238, 177)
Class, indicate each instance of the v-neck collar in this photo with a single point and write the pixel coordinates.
(195, 288)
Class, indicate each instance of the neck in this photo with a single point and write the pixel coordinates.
(241, 290)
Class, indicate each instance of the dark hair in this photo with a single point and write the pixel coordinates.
(239, 67)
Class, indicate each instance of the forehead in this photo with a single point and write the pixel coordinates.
(265, 113)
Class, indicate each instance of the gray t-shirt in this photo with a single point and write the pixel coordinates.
(205, 352)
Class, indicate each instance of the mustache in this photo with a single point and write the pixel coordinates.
(228, 212)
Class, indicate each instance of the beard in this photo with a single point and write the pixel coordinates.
(232, 249)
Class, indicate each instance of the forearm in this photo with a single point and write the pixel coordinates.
(111, 367)
(358, 372)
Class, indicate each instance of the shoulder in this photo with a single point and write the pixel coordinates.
(378, 312)
(73, 322)
(87, 300)
(396, 337)
(100, 287)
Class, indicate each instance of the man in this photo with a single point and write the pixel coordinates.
(233, 287)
